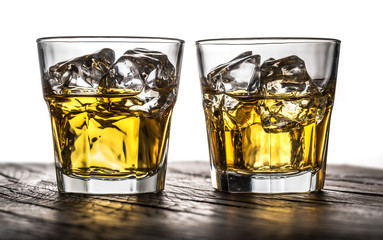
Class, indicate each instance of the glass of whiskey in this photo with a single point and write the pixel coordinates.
(268, 104)
(110, 101)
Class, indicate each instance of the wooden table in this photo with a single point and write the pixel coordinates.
(350, 207)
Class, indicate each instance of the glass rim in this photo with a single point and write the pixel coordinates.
(78, 39)
(264, 40)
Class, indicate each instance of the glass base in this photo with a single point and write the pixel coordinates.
(92, 185)
(300, 182)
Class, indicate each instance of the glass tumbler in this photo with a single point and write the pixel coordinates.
(110, 101)
(268, 104)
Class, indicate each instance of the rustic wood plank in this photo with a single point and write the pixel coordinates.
(350, 207)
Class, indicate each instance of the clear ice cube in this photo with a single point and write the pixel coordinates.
(124, 77)
(291, 99)
(81, 74)
(138, 69)
(240, 76)
(154, 102)
(237, 114)
(286, 77)
(284, 115)
(146, 74)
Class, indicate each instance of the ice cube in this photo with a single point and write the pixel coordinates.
(148, 101)
(123, 77)
(240, 76)
(286, 77)
(291, 98)
(138, 69)
(278, 115)
(146, 74)
(238, 114)
(284, 115)
(154, 67)
(81, 74)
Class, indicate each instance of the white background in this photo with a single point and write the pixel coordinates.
(356, 129)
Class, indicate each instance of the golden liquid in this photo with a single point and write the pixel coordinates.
(100, 136)
(239, 141)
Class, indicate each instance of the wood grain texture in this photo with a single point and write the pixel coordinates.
(350, 207)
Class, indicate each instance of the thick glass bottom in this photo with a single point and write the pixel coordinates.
(98, 185)
(300, 182)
